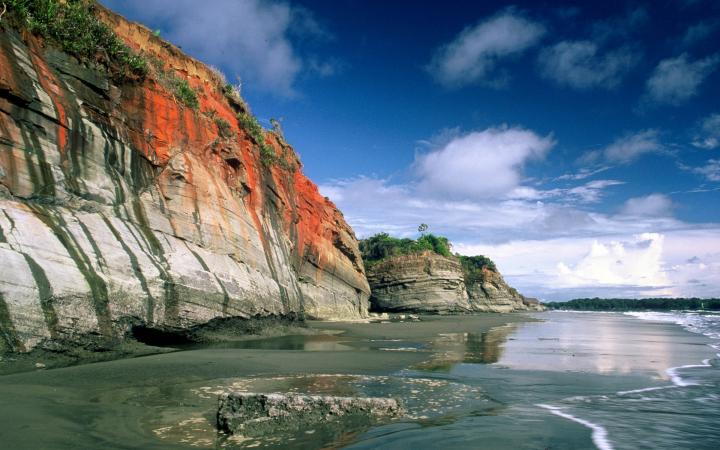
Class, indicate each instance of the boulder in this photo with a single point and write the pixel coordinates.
(257, 415)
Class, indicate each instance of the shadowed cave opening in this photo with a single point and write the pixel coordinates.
(160, 338)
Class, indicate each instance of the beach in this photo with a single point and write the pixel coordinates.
(545, 380)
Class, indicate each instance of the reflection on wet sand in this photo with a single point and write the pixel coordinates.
(480, 348)
(599, 343)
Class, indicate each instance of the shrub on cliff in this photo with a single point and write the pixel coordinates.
(473, 266)
(73, 26)
(253, 128)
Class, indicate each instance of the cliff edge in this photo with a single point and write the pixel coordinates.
(155, 201)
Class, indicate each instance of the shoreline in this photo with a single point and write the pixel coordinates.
(227, 332)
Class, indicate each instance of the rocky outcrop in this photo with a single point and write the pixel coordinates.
(490, 293)
(272, 414)
(430, 283)
(121, 206)
(424, 282)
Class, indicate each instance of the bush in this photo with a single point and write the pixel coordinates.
(180, 88)
(473, 266)
(250, 124)
(185, 94)
(381, 246)
(73, 26)
(224, 128)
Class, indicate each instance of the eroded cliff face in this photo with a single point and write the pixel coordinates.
(490, 293)
(120, 206)
(430, 283)
(424, 282)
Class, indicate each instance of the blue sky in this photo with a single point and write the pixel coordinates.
(576, 144)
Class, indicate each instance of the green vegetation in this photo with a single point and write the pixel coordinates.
(646, 304)
(224, 128)
(181, 89)
(73, 26)
(382, 245)
(250, 124)
(185, 94)
(474, 265)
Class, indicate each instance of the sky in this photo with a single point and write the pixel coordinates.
(576, 144)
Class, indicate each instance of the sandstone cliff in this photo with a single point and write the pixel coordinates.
(424, 282)
(121, 206)
(428, 282)
(489, 292)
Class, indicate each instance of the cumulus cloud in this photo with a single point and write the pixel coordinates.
(582, 65)
(480, 164)
(676, 80)
(634, 263)
(674, 262)
(252, 38)
(473, 56)
(650, 205)
(708, 136)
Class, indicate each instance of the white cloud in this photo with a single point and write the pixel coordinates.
(698, 32)
(581, 64)
(585, 172)
(711, 170)
(252, 38)
(634, 263)
(592, 191)
(709, 135)
(650, 205)
(676, 80)
(620, 27)
(675, 262)
(480, 164)
(474, 54)
(626, 149)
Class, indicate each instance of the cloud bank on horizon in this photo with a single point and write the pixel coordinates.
(576, 146)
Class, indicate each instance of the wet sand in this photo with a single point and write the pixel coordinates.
(467, 382)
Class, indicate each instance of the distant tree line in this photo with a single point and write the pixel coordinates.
(645, 304)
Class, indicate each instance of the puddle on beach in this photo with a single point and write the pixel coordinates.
(427, 400)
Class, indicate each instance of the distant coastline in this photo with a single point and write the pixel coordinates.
(629, 304)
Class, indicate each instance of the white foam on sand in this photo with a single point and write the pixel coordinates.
(678, 380)
(637, 391)
(599, 433)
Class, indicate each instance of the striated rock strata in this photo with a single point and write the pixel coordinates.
(490, 293)
(424, 282)
(430, 283)
(119, 206)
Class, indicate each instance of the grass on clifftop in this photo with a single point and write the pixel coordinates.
(73, 26)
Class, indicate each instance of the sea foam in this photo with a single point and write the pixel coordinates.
(599, 433)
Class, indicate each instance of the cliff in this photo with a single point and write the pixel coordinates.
(423, 282)
(489, 292)
(430, 283)
(122, 206)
